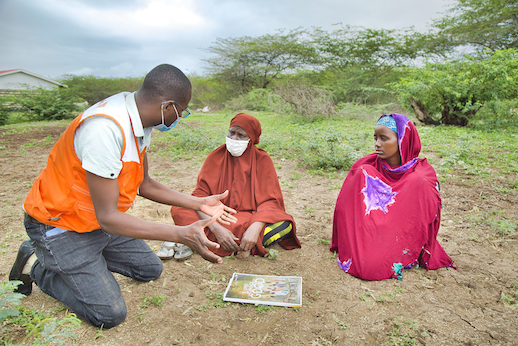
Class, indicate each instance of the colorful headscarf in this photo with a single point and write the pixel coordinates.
(388, 121)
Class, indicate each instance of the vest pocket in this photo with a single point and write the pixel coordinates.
(82, 198)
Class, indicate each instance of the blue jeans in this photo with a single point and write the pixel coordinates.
(75, 268)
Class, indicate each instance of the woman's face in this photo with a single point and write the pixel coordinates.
(237, 133)
(386, 145)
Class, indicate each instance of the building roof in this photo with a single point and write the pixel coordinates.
(19, 70)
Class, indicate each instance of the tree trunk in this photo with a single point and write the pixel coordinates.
(450, 117)
(421, 113)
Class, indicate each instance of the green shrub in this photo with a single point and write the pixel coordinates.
(369, 113)
(93, 89)
(307, 100)
(5, 109)
(259, 100)
(497, 114)
(207, 91)
(55, 104)
(459, 89)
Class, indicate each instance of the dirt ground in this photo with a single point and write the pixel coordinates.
(444, 307)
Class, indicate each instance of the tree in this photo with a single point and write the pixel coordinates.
(250, 62)
(480, 24)
(93, 89)
(371, 48)
(56, 104)
(457, 90)
(358, 62)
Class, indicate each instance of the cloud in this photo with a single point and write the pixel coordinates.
(142, 20)
(120, 38)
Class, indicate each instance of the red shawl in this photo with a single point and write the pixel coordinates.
(253, 186)
(387, 219)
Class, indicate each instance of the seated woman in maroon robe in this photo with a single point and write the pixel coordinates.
(247, 172)
(388, 211)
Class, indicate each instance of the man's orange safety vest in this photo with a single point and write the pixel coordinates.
(60, 197)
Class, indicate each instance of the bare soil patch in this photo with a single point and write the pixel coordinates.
(443, 307)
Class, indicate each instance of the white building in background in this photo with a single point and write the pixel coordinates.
(18, 79)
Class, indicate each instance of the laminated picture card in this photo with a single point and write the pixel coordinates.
(264, 289)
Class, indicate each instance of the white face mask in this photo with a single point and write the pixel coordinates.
(236, 148)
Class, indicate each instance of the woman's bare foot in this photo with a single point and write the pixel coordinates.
(242, 254)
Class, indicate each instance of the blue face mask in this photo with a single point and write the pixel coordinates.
(163, 127)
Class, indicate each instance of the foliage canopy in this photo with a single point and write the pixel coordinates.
(459, 89)
(481, 24)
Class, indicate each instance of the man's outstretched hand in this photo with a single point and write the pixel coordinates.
(212, 205)
(193, 236)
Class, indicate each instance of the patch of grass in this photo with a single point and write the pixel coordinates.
(403, 332)
(156, 300)
(295, 175)
(495, 221)
(215, 300)
(262, 308)
(386, 296)
(511, 298)
(40, 328)
(382, 297)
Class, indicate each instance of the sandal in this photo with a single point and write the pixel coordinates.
(166, 251)
(182, 252)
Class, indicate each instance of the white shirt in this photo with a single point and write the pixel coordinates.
(98, 141)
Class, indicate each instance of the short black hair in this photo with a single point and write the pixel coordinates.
(165, 82)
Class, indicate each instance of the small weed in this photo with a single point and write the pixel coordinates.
(214, 300)
(295, 176)
(262, 308)
(322, 241)
(510, 300)
(156, 300)
(386, 296)
(272, 254)
(341, 324)
(140, 315)
(399, 289)
(99, 333)
(48, 140)
(309, 210)
(233, 256)
(203, 307)
(403, 333)
(365, 296)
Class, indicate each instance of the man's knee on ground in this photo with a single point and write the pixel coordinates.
(108, 316)
(149, 272)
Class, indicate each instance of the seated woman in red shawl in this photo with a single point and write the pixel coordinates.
(247, 172)
(389, 209)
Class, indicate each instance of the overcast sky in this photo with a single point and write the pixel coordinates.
(127, 38)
